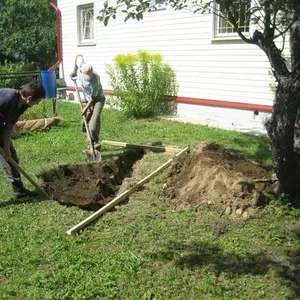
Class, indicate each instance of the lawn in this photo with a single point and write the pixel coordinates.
(144, 249)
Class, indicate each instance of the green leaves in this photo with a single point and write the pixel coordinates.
(8, 67)
(130, 10)
(27, 32)
(140, 82)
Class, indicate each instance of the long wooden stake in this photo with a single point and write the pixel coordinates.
(22, 171)
(150, 147)
(120, 197)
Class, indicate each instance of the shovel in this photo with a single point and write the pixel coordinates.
(92, 153)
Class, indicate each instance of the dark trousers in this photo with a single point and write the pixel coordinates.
(11, 173)
(93, 119)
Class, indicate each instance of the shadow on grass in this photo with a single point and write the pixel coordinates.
(198, 255)
(23, 201)
(109, 155)
(262, 153)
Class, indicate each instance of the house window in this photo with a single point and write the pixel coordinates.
(157, 4)
(86, 23)
(223, 28)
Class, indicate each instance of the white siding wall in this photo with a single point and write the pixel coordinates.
(218, 70)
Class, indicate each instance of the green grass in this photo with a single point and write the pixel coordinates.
(36, 112)
(144, 249)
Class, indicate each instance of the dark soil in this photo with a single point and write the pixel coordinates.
(90, 186)
(211, 174)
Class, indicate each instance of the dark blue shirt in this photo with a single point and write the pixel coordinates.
(10, 111)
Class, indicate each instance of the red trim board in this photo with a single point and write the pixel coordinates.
(208, 102)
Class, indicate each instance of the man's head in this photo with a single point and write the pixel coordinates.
(86, 71)
(32, 93)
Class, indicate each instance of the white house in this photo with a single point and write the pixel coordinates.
(222, 80)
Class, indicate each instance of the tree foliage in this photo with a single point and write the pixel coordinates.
(27, 32)
(269, 20)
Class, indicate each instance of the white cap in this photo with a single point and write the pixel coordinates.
(86, 71)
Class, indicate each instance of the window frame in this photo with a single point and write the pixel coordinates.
(157, 6)
(81, 41)
(226, 35)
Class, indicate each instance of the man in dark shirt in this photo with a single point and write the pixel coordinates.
(13, 103)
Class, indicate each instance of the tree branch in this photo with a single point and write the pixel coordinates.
(286, 29)
(234, 22)
(273, 53)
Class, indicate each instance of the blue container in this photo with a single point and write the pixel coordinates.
(49, 83)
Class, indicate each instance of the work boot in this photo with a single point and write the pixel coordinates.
(19, 191)
(25, 193)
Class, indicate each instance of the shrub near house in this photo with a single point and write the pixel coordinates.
(140, 82)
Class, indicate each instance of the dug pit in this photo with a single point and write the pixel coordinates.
(90, 186)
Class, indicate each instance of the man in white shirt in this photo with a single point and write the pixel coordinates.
(94, 96)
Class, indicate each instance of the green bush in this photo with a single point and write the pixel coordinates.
(17, 82)
(141, 83)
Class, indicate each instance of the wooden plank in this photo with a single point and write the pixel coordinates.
(120, 197)
(150, 147)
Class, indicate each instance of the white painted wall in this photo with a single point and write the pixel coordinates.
(229, 70)
(206, 68)
(230, 119)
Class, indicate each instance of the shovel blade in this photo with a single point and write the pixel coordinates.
(96, 156)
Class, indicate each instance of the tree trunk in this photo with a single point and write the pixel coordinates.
(283, 131)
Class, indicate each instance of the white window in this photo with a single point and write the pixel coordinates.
(157, 4)
(85, 23)
(223, 28)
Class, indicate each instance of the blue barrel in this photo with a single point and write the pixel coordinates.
(49, 83)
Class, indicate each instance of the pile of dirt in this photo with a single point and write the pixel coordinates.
(211, 174)
(90, 186)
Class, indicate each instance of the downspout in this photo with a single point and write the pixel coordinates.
(58, 36)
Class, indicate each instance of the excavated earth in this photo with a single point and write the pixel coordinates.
(211, 174)
(92, 185)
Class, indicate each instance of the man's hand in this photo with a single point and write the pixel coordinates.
(87, 107)
(73, 75)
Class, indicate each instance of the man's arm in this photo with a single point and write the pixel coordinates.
(2, 123)
(87, 106)
(74, 72)
(75, 69)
